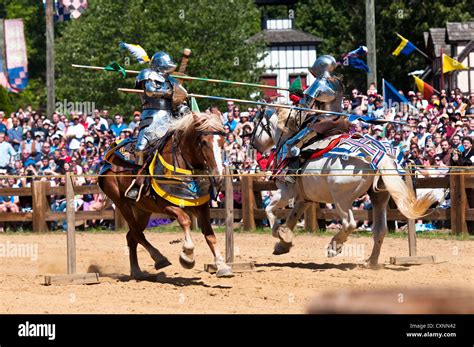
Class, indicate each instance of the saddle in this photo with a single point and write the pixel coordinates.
(171, 183)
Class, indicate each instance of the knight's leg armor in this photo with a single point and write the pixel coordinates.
(134, 190)
(292, 150)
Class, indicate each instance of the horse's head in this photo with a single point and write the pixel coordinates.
(201, 138)
(263, 135)
(272, 127)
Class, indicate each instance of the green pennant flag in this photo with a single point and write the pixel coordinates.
(194, 105)
(296, 87)
(114, 66)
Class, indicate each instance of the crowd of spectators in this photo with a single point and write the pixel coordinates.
(438, 133)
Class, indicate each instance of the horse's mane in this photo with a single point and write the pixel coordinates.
(196, 122)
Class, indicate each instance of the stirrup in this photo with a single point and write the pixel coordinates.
(130, 192)
(140, 192)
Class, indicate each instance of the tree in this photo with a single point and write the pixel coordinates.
(216, 32)
(341, 23)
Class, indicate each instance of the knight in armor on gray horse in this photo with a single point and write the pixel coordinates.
(325, 93)
(163, 100)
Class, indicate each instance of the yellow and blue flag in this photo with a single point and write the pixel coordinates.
(405, 47)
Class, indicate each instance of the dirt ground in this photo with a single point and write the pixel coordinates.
(280, 284)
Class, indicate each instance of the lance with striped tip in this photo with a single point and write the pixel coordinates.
(190, 78)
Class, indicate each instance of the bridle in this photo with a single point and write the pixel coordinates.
(263, 127)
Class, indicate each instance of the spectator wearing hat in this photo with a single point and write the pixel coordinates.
(136, 120)
(421, 134)
(126, 133)
(97, 127)
(75, 133)
(378, 132)
(244, 121)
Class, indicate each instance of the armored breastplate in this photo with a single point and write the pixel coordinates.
(324, 89)
(159, 102)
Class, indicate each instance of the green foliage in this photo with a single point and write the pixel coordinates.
(5, 102)
(215, 31)
(341, 23)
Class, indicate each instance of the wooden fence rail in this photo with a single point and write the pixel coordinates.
(461, 212)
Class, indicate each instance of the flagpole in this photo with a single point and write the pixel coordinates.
(50, 105)
(442, 73)
(383, 89)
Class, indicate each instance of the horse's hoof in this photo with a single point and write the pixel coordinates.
(225, 272)
(282, 248)
(331, 252)
(138, 275)
(372, 265)
(186, 262)
(285, 234)
(162, 264)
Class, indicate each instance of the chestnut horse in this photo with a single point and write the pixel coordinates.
(195, 144)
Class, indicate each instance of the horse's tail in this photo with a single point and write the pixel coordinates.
(403, 193)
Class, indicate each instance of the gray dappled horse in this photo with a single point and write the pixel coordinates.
(336, 181)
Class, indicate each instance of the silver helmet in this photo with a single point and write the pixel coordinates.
(323, 65)
(162, 62)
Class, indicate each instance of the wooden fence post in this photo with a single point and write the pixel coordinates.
(311, 218)
(71, 225)
(40, 205)
(229, 217)
(411, 222)
(248, 203)
(457, 191)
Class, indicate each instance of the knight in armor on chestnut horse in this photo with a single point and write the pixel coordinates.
(164, 99)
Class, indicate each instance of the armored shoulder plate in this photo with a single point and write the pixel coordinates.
(149, 74)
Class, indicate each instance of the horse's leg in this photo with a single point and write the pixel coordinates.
(132, 243)
(142, 217)
(285, 231)
(186, 257)
(344, 209)
(137, 220)
(379, 228)
(204, 219)
(280, 200)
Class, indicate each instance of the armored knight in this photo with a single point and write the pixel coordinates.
(163, 99)
(325, 93)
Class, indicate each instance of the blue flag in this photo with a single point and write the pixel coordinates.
(353, 59)
(391, 95)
